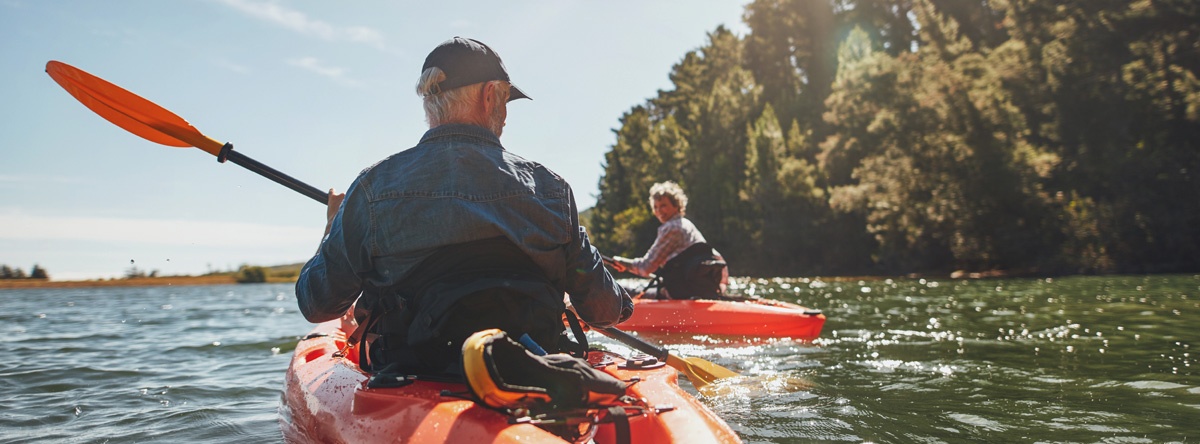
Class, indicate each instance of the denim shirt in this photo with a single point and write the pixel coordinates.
(457, 185)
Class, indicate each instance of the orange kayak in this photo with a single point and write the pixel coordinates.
(325, 400)
(750, 317)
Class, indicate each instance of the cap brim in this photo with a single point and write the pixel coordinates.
(515, 93)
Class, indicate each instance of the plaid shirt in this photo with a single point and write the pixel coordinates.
(674, 236)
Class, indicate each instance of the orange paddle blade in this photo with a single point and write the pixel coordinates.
(128, 110)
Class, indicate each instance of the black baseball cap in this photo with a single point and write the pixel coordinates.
(467, 62)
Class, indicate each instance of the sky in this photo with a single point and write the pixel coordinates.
(318, 90)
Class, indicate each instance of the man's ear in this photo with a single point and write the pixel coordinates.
(489, 96)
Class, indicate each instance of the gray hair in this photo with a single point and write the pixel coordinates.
(672, 191)
(452, 106)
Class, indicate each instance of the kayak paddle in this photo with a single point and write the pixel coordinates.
(700, 372)
(156, 124)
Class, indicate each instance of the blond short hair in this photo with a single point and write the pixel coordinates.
(669, 190)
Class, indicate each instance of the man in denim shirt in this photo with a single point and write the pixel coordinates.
(404, 222)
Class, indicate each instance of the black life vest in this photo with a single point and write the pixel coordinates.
(419, 327)
(694, 273)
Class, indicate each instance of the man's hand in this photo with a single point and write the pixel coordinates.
(349, 324)
(614, 263)
(335, 203)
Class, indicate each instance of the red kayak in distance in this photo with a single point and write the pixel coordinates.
(744, 317)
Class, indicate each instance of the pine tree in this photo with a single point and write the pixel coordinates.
(38, 272)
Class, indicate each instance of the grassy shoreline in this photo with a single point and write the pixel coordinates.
(129, 282)
(272, 275)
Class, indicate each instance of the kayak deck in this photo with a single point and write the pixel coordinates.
(325, 399)
(750, 317)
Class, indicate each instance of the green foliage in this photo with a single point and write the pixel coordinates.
(37, 272)
(133, 272)
(857, 136)
(249, 274)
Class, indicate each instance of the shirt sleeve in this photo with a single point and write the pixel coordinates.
(330, 282)
(669, 241)
(594, 293)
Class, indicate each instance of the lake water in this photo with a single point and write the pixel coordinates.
(1076, 359)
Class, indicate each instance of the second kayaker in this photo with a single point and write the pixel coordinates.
(456, 235)
(687, 266)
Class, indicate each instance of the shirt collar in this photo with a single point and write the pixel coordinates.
(462, 130)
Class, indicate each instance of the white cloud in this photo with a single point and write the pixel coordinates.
(364, 34)
(20, 226)
(313, 64)
(235, 67)
(297, 21)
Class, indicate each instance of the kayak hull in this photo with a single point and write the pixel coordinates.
(325, 400)
(753, 317)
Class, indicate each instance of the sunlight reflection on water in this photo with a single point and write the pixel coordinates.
(1073, 359)
(902, 360)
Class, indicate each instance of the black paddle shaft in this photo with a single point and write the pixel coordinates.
(633, 341)
(227, 153)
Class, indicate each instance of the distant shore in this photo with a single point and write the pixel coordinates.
(287, 273)
(271, 274)
(123, 282)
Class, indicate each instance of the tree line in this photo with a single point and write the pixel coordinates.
(36, 272)
(900, 136)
